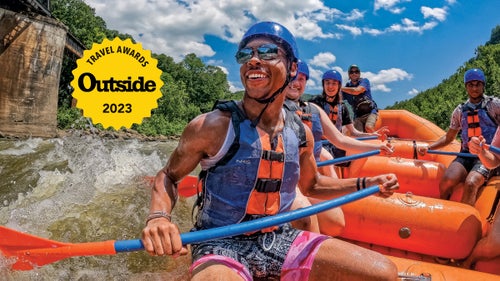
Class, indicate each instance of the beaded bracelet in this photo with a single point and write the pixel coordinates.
(158, 214)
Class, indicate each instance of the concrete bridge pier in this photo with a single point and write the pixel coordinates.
(31, 54)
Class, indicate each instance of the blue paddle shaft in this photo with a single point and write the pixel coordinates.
(462, 154)
(367, 138)
(348, 158)
(358, 138)
(254, 225)
(494, 149)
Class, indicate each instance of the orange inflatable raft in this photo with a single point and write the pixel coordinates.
(421, 233)
(414, 224)
(427, 271)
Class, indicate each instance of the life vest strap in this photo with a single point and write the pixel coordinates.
(272, 155)
(268, 185)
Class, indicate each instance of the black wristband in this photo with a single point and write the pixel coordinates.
(364, 183)
(358, 187)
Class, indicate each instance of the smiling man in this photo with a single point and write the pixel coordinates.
(253, 154)
(358, 94)
(478, 116)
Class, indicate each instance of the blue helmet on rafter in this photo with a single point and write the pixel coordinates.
(303, 68)
(474, 74)
(275, 31)
(332, 74)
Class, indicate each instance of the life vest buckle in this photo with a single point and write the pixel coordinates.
(268, 185)
(272, 155)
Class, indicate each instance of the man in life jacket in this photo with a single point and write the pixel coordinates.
(358, 94)
(253, 155)
(330, 222)
(478, 116)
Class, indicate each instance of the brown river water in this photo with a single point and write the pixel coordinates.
(86, 189)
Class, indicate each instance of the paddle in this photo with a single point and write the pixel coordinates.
(358, 138)
(187, 187)
(31, 251)
(493, 149)
(463, 154)
(348, 158)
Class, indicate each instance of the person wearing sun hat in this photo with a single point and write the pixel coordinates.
(358, 95)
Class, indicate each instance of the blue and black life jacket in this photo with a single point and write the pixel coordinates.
(476, 121)
(257, 177)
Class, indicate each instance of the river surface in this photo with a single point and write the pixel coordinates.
(86, 189)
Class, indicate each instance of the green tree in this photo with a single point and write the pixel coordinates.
(495, 36)
(204, 84)
(87, 28)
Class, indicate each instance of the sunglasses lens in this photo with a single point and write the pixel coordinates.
(268, 51)
(244, 55)
(265, 52)
(356, 71)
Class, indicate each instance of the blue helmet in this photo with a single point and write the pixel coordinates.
(474, 74)
(275, 31)
(303, 68)
(332, 74)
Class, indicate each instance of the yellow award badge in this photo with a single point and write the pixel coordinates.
(117, 83)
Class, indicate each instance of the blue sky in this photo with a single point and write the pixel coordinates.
(402, 46)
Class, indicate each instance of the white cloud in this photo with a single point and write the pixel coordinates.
(429, 25)
(355, 15)
(408, 25)
(389, 5)
(379, 81)
(178, 28)
(413, 92)
(352, 29)
(322, 60)
(317, 66)
(309, 30)
(372, 31)
(437, 13)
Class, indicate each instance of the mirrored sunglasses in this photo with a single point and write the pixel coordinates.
(264, 52)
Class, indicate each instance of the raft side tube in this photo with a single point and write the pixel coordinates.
(419, 177)
(414, 223)
(406, 125)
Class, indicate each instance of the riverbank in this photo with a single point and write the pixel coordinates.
(124, 134)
